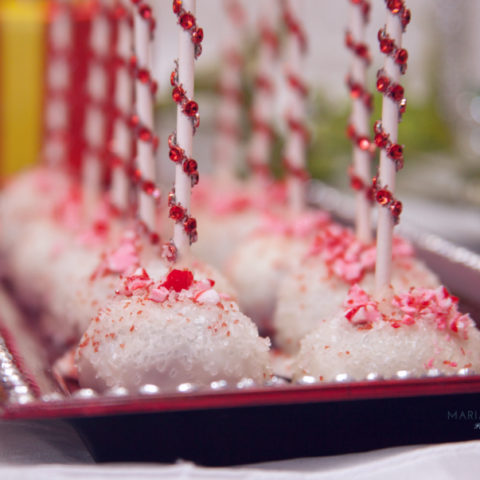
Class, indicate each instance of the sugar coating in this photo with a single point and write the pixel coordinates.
(30, 196)
(77, 293)
(219, 235)
(76, 296)
(393, 343)
(28, 264)
(257, 268)
(310, 294)
(135, 341)
(259, 264)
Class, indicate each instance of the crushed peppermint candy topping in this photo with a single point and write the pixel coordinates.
(135, 284)
(123, 260)
(361, 308)
(346, 257)
(178, 280)
(175, 286)
(436, 306)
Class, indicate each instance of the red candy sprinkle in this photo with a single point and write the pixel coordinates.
(362, 50)
(191, 108)
(368, 100)
(177, 6)
(356, 183)
(145, 11)
(383, 197)
(356, 90)
(145, 134)
(176, 154)
(143, 75)
(173, 78)
(190, 225)
(396, 92)
(177, 213)
(396, 208)
(395, 151)
(170, 252)
(190, 167)
(381, 140)
(349, 40)
(148, 187)
(134, 121)
(197, 36)
(402, 106)
(195, 178)
(187, 21)
(197, 121)
(395, 6)
(153, 24)
(136, 175)
(350, 131)
(401, 57)
(406, 17)
(178, 280)
(364, 143)
(178, 94)
(382, 84)
(387, 45)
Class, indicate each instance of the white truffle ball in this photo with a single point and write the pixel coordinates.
(416, 331)
(310, 294)
(169, 338)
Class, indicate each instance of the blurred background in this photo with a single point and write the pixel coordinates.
(440, 184)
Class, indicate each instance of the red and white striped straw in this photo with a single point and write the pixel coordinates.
(58, 84)
(122, 143)
(230, 85)
(359, 126)
(294, 155)
(95, 116)
(144, 86)
(391, 157)
(264, 93)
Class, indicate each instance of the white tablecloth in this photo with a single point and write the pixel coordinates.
(53, 451)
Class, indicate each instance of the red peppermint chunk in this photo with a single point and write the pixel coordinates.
(178, 280)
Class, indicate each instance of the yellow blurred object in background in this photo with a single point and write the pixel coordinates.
(22, 56)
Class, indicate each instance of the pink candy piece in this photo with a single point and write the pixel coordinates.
(123, 260)
(135, 283)
(361, 309)
(208, 296)
(158, 295)
(346, 257)
(436, 305)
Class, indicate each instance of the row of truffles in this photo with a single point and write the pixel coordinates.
(164, 326)
(134, 314)
(88, 284)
